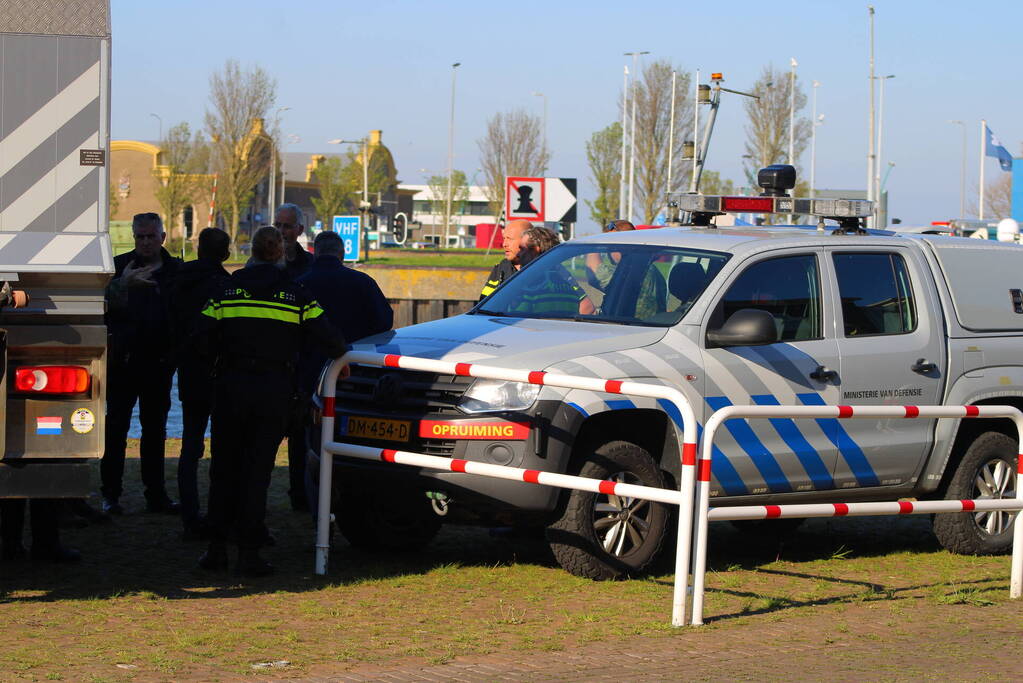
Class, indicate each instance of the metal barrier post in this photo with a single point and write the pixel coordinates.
(688, 455)
(703, 512)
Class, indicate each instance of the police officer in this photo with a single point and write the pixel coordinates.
(257, 325)
(507, 266)
(196, 282)
(46, 544)
(139, 366)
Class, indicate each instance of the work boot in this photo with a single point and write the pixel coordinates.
(162, 504)
(251, 564)
(55, 553)
(112, 507)
(215, 557)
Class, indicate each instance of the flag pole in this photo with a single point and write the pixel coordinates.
(983, 139)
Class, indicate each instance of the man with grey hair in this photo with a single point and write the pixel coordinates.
(139, 365)
(356, 308)
(288, 220)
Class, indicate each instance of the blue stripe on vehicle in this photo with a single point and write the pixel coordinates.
(758, 453)
(808, 456)
(848, 448)
(580, 409)
(622, 404)
(720, 467)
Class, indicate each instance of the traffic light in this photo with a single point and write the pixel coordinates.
(399, 226)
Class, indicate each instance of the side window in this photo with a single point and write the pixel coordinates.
(877, 297)
(788, 288)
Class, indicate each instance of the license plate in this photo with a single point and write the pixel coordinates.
(376, 428)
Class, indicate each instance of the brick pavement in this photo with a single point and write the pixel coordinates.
(870, 641)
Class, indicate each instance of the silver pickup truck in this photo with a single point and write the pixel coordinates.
(789, 315)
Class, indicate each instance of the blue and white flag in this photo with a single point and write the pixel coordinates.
(993, 148)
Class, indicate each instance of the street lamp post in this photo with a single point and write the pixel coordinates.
(540, 94)
(632, 157)
(962, 172)
(813, 142)
(271, 194)
(160, 121)
(871, 222)
(792, 111)
(451, 153)
(880, 136)
(625, 111)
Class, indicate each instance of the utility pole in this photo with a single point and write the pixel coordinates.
(540, 94)
(870, 144)
(813, 142)
(671, 132)
(880, 139)
(792, 111)
(451, 154)
(983, 140)
(272, 186)
(962, 172)
(632, 156)
(625, 130)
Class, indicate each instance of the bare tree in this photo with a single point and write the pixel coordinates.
(182, 158)
(338, 180)
(239, 101)
(653, 128)
(512, 146)
(603, 154)
(767, 127)
(439, 195)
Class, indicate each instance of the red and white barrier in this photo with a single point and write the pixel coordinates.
(705, 514)
(683, 497)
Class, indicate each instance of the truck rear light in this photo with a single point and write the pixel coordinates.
(51, 379)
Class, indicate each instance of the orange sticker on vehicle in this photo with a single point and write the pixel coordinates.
(460, 429)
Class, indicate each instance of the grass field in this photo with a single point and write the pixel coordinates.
(137, 608)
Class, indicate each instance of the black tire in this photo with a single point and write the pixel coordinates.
(987, 470)
(636, 529)
(375, 517)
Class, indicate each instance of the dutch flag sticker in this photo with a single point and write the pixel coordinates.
(48, 425)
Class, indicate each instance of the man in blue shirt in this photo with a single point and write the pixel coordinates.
(356, 308)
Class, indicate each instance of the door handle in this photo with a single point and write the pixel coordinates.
(823, 374)
(923, 367)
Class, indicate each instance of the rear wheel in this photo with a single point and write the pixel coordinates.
(987, 471)
(603, 536)
(374, 517)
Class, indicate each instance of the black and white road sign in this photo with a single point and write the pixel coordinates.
(559, 200)
(524, 198)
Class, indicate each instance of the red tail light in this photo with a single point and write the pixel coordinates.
(751, 204)
(51, 379)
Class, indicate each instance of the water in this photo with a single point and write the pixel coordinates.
(174, 424)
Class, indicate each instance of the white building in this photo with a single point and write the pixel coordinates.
(465, 215)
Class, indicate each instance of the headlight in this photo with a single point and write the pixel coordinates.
(493, 395)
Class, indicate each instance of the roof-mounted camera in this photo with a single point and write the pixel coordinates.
(776, 179)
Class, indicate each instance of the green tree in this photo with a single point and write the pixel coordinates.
(712, 183)
(603, 154)
(439, 194)
(241, 149)
(339, 179)
(182, 158)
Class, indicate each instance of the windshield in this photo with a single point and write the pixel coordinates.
(622, 284)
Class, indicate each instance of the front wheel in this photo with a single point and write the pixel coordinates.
(602, 536)
(987, 471)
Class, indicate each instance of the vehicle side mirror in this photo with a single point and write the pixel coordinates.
(745, 327)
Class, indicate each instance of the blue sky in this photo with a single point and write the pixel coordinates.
(347, 67)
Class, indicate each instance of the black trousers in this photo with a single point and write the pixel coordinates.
(149, 383)
(43, 518)
(297, 449)
(250, 417)
(195, 390)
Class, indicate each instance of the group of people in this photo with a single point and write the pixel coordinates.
(247, 347)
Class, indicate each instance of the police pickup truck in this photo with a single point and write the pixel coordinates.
(790, 315)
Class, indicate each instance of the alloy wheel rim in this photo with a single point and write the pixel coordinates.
(994, 480)
(621, 523)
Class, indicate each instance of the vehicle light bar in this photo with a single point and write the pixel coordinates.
(51, 379)
(824, 208)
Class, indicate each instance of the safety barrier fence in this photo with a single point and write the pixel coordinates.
(704, 513)
(684, 497)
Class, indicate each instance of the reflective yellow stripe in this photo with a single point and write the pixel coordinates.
(212, 310)
(490, 287)
(311, 311)
(257, 312)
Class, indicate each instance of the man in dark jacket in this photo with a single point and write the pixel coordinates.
(139, 367)
(196, 283)
(288, 220)
(357, 308)
(256, 327)
(507, 266)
